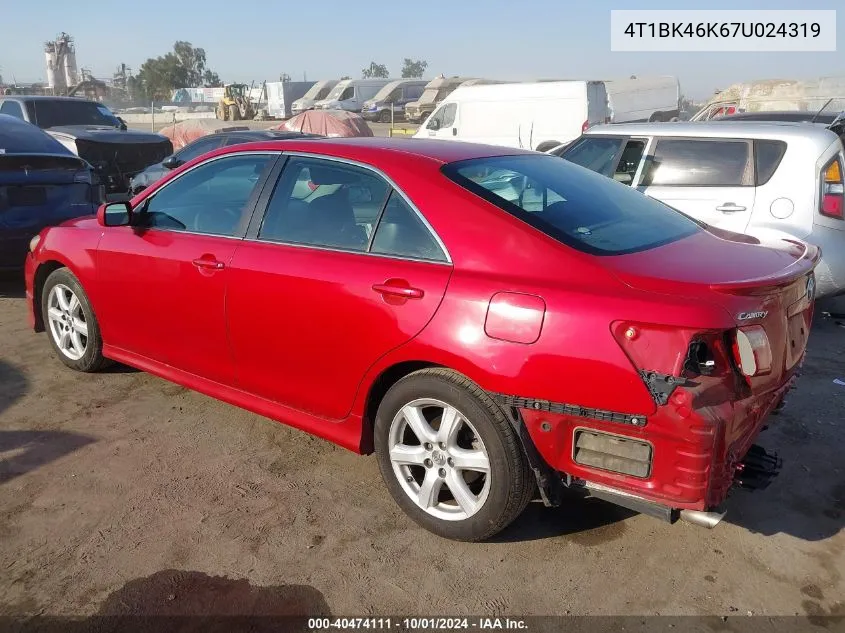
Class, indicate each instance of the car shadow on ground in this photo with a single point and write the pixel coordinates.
(12, 286)
(22, 451)
(582, 521)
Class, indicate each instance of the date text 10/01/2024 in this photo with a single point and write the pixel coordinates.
(410, 624)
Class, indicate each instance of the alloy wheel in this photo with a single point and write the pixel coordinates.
(68, 326)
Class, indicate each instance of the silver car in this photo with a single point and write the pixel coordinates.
(761, 179)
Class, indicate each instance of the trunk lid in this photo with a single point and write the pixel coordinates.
(769, 284)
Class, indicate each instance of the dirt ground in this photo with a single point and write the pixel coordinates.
(120, 492)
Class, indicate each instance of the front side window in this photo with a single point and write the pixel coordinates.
(347, 94)
(50, 113)
(580, 208)
(596, 153)
(198, 148)
(693, 162)
(212, 198)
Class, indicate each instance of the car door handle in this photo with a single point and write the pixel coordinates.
(398, 288)
(210, 263)
(730, 207)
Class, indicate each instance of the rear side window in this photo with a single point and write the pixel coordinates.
(767, 157)
(700, 163)
(580, 208)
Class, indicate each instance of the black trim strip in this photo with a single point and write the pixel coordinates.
(569, 409)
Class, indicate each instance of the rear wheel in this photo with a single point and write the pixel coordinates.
(71, 324)
(234, 113)
(449, 457)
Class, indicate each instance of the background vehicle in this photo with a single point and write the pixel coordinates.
(281, 95)
(202, 146)
(641, 99)
(382, 294)
(536, 115)
(350, 94)
(319, 91)
(235, 104)
(392, 96)
(41, 183)
(91, 131)
(834, 121)
(434, 92)
(760, 179)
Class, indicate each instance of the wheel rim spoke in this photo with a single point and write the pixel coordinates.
(421, 428)
(463, 495)
(450, 422)
(55, 314)
(73, 304)
(76, 343)
(430, 489)
(61, 298)
(64, 339)
(470, 460)
(80, 327)
(409, 455)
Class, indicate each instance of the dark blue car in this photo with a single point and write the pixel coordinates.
(41, 184)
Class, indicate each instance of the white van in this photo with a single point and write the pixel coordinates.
(537, 115)
(350, 94)
(395, 96)
(319, 91)
(644, 99)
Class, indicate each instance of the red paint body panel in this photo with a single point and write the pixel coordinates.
(301, 334)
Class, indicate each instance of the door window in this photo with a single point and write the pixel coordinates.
(212, 198)
(346, 94)
(413, 92)
(324, 203)
(700, 163)
(402, 233)
(596, 153)
(12, 108)
(198, 148)
(629, 161)
(445, 117)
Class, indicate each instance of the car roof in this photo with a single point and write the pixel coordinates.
(43, 98)
(368, 147)
(785, 130)
(781, 115)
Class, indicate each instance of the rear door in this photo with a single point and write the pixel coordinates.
(711, 180)
(340, 270)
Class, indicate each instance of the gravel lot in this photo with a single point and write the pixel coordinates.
(120, 492)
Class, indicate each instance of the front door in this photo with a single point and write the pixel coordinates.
(162, 281)
(341, 271)
(711, 180)
(443, 123)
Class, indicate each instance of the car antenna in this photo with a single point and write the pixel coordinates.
(816, 116)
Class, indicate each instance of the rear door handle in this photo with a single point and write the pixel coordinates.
(210, 263)
(729, 207)
(398, 288)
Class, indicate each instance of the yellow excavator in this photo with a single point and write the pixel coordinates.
(235, 104)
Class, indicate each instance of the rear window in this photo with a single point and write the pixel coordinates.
(767, 157)
(20, 137)
(700, 163)
(575, 206)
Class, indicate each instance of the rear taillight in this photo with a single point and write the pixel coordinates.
(751, 351)
(833, 191)
(585, 126)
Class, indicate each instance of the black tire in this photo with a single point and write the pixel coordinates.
(384, 116)
(545, 146)
(657, 117)
(512, 484)
(92, 360)
(234, 113)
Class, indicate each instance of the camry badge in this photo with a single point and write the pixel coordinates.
(748, 316)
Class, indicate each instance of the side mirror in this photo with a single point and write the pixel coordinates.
(115, 214)
(434, 124)
(171, 162)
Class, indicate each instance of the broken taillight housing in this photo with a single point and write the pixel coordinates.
(833, 191)
(752, 351)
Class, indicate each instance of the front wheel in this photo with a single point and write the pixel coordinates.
(449, 457)
(71, 324)
(384, 116)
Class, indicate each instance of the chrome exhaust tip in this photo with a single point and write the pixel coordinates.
(700, 518)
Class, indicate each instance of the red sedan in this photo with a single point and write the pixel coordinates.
(490, 322)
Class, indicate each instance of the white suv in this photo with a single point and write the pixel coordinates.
(762, 179)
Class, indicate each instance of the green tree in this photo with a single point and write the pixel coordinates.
(375, 71)
(413, 69)
(185, 67)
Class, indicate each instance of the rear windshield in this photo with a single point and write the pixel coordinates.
(18, 137)
(573, 205)
(67, 112)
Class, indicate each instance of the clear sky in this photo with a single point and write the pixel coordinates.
(513, 39)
